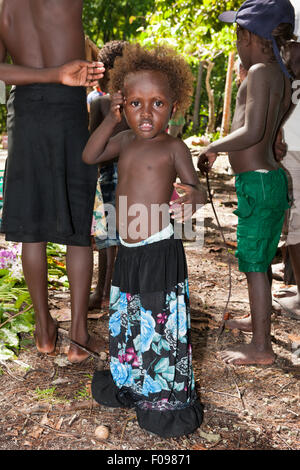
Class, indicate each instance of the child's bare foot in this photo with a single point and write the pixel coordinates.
(45, 338)
(243, 324)
(247, 354)
(95, 345)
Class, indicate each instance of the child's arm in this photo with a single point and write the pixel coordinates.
(194, 194)
(252, 132)
(100, 146)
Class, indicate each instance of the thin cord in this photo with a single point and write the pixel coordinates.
(221, 329)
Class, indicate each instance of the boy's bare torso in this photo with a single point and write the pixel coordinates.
(41, 33)
(261, 155)
(146, 174)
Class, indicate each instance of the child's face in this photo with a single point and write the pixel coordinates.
(242, 47)
(147, 103)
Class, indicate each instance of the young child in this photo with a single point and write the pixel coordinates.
(263, 100)
(150, 348)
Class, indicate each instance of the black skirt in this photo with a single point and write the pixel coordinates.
(48, 190)
(150, 346)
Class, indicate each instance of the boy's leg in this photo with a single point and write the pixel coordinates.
(79, 269)
(106, 259)
(96, 296)
(259, 351)
(245, 323)
(34, 262)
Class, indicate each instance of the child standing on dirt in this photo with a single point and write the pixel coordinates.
(263, 100)
(150, 349)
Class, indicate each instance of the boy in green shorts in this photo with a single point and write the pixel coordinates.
(264, 98)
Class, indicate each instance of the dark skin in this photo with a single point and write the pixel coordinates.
(262, 102)
(292, 303)
(106, 257)
(149, 159)
(41, 36)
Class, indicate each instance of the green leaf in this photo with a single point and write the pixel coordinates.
(6, 354)
(8, 337)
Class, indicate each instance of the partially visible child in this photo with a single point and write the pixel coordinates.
(263, 100)
(106, 186)
(150, 346)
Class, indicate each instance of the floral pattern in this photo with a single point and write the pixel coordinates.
(150, 347)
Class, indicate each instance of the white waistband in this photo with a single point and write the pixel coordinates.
(165, 233)
(262, 171)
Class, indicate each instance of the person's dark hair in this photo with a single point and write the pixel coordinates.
(107, 56)
(159, 58)
(283, 35)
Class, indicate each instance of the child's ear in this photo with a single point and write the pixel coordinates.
(174, 109)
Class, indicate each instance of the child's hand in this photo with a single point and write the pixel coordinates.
(206, 161)
(117, 101)
(81, 73)
(185, 206)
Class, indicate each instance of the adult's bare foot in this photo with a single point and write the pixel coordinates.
(247, 354)
(95, 301)
(243, 324)
(93, 344)
(290, 304)
(98, 302)
(46, 338)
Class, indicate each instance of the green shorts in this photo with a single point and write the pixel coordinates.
(262, 202)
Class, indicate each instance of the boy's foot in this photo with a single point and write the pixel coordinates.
(45, 339)
(289, 304)
(247, 354)
(77, 355)
(243, 324)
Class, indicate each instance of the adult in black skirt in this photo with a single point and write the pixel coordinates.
(48, 190)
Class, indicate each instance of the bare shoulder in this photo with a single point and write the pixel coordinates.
(178, 147)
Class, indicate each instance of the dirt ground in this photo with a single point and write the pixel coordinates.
(45, 401)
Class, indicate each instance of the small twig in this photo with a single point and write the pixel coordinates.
(240, 394)
(91, 353)
(49, 428)
(289, 447)
(9, 372)
(224, 393)
(16, 315)
(124, 427)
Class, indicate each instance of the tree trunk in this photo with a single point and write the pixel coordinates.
(211, 100)
(227, 99)
(197, 97)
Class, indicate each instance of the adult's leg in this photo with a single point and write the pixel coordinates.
(259, 351)
(292, 303)
(79, 262)
(34, 261)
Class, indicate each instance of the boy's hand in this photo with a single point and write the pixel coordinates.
(81, 73)
(280, 147)
(206, 161)
(117, 101)
(185, 206)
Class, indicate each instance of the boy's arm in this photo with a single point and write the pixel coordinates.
(194, 194)
(75, 73)
(257, 104)
(100, 146)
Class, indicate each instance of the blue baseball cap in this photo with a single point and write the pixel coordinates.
(261, 17)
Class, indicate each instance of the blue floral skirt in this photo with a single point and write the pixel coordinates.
(150, 348)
